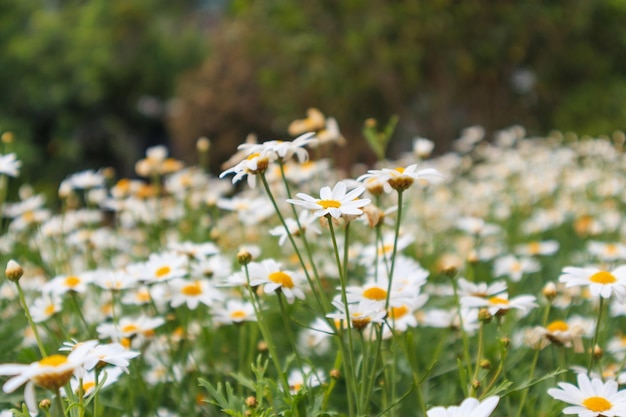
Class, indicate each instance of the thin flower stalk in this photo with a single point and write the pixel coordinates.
(350, 370)
(31, 323)
(596, 333)
(533, 364)
(266, 333)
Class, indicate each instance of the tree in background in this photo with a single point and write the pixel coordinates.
(439, 65)
(84, 83)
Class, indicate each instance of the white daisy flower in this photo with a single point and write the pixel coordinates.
(515, 267)
(129, 327)
(9, 165)
(192, 293)
(500, 304)
(65, 283)
(591, 398)
(546, 247)
(162, 266)
(45, 307)
(361, 314)
(601, 283)
(254, 164)
(273, 277)
(401, 178)
(51, 372)
(336, 202)
(470, 407)
(234, 312)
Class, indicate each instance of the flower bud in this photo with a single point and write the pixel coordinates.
(13, 271)
(251, 402)
(244, 257)
(335, 373)
(45, 404)
(550, 291)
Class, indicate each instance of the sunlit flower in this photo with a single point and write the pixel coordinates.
(273, 277)
(591, 398)
(601, 283)
(470, 407)
(336, 202)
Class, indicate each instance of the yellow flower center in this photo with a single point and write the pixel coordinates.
(385, 249)
(516, 267)
(142, 296)
(603, 277)
(130, 328)
(375, 293)
(162, 271)
(192, 289)
(72, 281)
(397, 312)
(557, 326)
(88, 385)
(329, 203)
(597, 404)
(238, 315)
(534, 248)
(400, 170)
(53, 360)
(611, 249)
(498, 300)
(281, 278)
(49, 310)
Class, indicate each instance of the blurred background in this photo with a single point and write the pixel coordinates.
(86, 84)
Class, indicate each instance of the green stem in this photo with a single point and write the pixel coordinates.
(479, 354)
(59, 403)
(350, 374)
(267, 336)
(31, 323)
(595, 335)
(290, 337)
(533, 364)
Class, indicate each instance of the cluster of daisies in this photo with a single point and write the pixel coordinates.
(509, 244)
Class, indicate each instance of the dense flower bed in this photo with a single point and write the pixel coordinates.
(458, 285)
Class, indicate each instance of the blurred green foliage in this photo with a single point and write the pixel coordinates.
(87, 81)
(73, 74)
